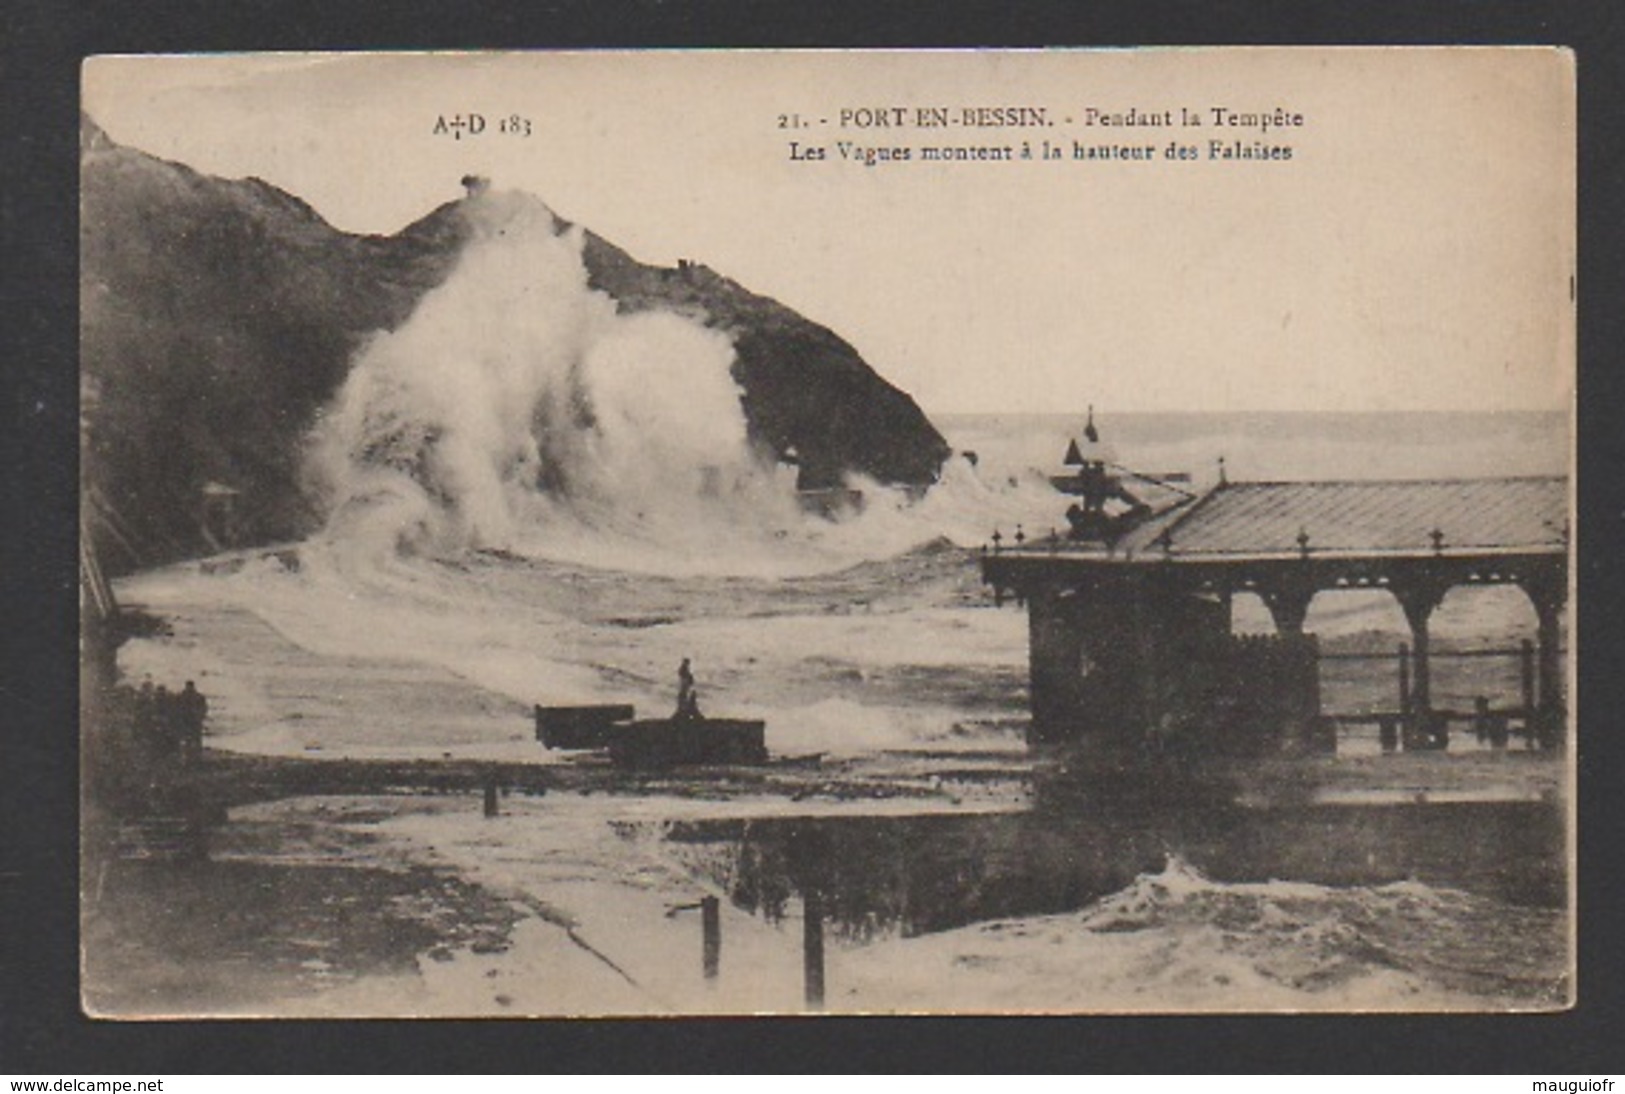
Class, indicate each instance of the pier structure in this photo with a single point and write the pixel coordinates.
(1129, 614)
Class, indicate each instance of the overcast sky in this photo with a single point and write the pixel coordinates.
(1414, 253)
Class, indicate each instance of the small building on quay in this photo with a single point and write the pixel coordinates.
(1130, 609)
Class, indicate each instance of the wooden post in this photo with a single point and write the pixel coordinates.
(1550, 672)
(1418, 597)
(492, 808)
(1527, 672)
(1547, 591)
(1421, 668)
(812, 948)
(1404, 680)
(711, 928)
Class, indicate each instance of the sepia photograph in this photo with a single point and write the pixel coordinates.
(698, 532)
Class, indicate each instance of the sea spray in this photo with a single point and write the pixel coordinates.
(1179, 940)
(516, 399)
(518, 410)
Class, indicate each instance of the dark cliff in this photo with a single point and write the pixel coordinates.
(218, 317)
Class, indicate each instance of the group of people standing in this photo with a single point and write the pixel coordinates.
(169, 724)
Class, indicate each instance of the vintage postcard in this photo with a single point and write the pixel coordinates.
(578, 534)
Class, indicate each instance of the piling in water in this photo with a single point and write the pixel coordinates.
(711, 927)
(812, 949)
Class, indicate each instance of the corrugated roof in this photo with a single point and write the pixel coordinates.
(1259, 518)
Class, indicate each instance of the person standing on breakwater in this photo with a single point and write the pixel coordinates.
(688, 701)
(144, 724)
(162, 736)
(191, 708)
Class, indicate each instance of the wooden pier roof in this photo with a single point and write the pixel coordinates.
(1262, 519)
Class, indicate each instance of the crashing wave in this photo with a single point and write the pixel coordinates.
(518, 410)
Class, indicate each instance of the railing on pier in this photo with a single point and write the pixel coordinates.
(1494, 696)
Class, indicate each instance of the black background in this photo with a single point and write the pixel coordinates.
(41, 1029)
